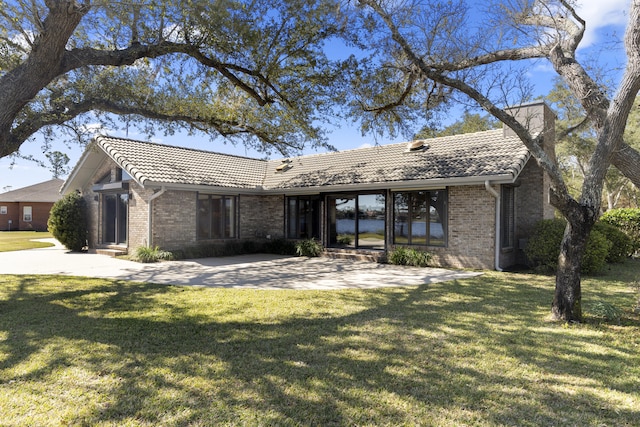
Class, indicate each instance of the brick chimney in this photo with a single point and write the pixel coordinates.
(537, 117)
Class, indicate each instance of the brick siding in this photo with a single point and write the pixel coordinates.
(261, 216)
(39, 216)
(174, 220)
(471, 229)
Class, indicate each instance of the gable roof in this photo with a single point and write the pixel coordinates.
(43, 192)
(465, 158)
(154, 165)
(150, 163)
(459, 159)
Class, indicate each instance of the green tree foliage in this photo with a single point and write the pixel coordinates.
(426, 54)
(68, 221)
(469, 123)
(59, 161)
(254, 72)
(576, 143)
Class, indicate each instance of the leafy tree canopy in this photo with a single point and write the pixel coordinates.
(577, 142)
(255, 72)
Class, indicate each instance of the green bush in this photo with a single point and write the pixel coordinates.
(279, 247)
(596, 254)
(622, 247)
(398, 256)
(68, 221)
(344, 239)
(628, 221)
(543, 247)
(409, 256)
(148, 254)
(308, 247)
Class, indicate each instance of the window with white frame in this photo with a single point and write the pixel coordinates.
(26, 214)
(3, 210)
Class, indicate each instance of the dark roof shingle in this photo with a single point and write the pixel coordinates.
(43, 192)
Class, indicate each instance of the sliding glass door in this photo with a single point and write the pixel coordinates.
(115, 218)
(356, 220)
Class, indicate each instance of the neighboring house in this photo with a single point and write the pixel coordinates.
(28, 208)
(468, 199)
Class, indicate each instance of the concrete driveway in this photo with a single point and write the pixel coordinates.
(245, 271)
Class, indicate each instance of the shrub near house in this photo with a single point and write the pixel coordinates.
(606, 244)
(68, 221)
(628, 221)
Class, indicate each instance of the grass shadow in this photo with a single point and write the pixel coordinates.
(476, 351)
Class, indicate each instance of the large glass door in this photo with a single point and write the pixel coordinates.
(371, 221)
(342, 221)
(115, 218)
(356, 221)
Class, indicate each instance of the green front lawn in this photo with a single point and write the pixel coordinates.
(19, 240)
(479, 352)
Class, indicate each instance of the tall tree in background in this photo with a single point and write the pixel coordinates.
(251, 71)
(577, 142)
(468, 123)
(424, 51)
(59, 162)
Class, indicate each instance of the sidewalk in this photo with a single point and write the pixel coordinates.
(260, 271)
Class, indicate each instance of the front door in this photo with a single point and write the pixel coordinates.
(115, 215)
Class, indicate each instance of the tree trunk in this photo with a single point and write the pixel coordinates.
(21, 84)
(626, 160)
(568, 295)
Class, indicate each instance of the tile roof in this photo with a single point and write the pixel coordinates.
(46, 192)
(156, 163)
(474, 155)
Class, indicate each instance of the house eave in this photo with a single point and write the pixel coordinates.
(424, 184)
(202, 188)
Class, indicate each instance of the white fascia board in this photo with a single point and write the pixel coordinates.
(203, 188)
(398, 185)
(393, 186)
(90, 160)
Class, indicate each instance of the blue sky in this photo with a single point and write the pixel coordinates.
(603, 18)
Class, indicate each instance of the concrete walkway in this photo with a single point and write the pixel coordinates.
(245, 271)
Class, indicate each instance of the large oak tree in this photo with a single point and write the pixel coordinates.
(254, 70)
(424, 52)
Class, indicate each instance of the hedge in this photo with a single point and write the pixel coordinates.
(543, 247)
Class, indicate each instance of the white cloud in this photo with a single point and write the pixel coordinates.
(599, 14)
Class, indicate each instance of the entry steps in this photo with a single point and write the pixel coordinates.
(355, 254)
(112, 251)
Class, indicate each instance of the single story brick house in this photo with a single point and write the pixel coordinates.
(468, 199)
(27, 208)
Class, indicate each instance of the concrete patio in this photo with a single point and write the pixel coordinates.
(246, 271)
